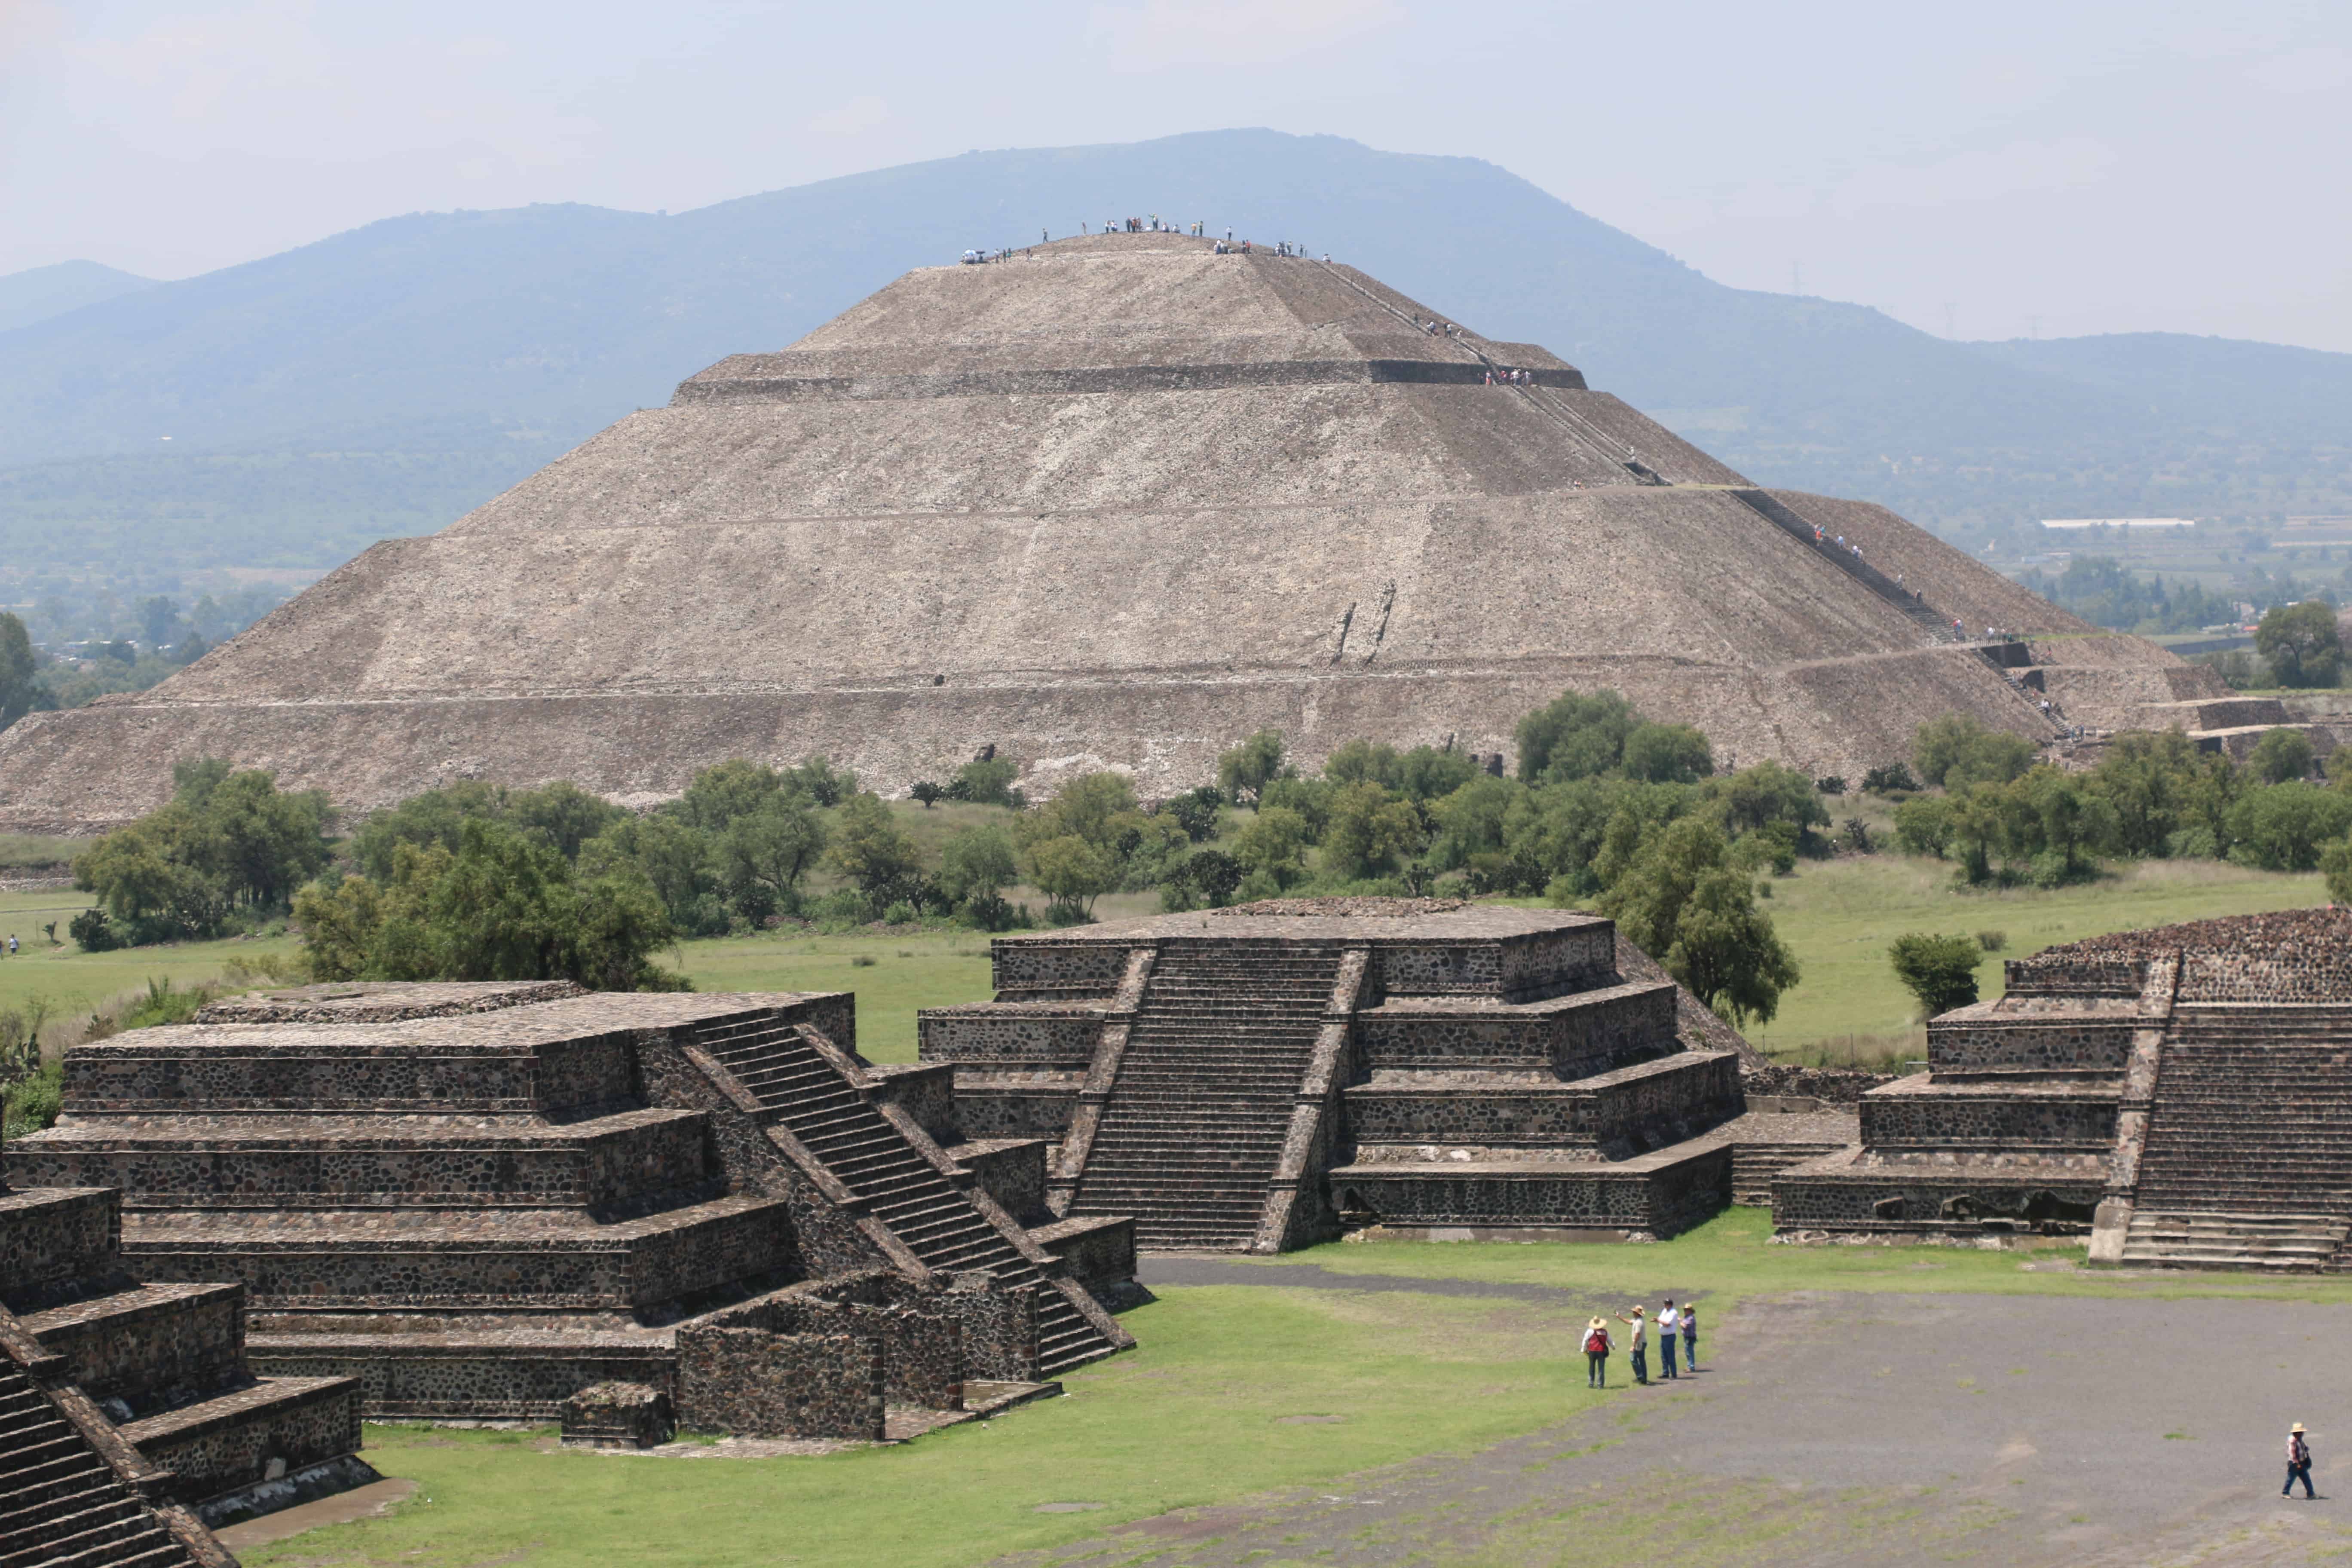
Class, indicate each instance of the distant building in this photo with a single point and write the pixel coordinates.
(2118, 522)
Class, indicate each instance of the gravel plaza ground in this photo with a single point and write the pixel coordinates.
(1880, 1428)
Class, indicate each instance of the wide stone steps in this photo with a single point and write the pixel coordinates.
(2279, 1243)
(936, 1219)
(59, 1503)
(2252, 1115)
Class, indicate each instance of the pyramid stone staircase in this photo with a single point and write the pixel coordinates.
(818, 1106)
(129, 1411)
(1194, 1133)
(2248, 1163)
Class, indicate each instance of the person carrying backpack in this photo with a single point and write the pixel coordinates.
(2298, 1462)
(1596, 1353)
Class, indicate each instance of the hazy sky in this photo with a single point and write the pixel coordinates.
(2099, 166)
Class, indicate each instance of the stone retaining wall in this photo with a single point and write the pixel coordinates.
(1662, 1202)
(234, 1448)
(2019, 1120)
(49, 1237)
(414, 1376)
(1066, 969)
(2089, 1043)
(755, 1383)
(1573, 1038)
(161, 1343)
(1041, 1036)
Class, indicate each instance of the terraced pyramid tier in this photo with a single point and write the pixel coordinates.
(1118, 501)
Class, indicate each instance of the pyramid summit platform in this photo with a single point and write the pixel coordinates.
(1115, 501)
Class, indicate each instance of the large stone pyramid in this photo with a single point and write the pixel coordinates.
(1115, 501)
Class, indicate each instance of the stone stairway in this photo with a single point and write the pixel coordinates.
(2249, 1154)
(803, 1092)
(60, 1502)
(1195, 1123)
(1917, 609)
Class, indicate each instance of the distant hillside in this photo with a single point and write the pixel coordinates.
(390, 377)
(44, 291)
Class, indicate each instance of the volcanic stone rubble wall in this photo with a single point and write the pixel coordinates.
(1491, 1068)
(152, 1382)
(514, 1196)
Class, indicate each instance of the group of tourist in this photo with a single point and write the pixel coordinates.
(1509, 377)
(1149, 225)
(1601, 1342)
(1823, 540)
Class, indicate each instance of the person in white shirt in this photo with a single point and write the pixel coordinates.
(2298, 1462)
(1669, 1323)
(1634, 1346)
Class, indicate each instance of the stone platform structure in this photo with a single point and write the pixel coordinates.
(1260, 1077)
(481, 1200)
(130, 1415)
(2180, 1093)
(1117, 502)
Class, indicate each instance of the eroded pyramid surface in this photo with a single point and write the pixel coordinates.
(1116, 501)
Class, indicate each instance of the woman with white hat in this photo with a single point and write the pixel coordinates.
(2298, 1462)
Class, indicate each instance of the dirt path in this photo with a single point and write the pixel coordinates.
(1880, 1430)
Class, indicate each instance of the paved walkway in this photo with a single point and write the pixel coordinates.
(1880, 1430)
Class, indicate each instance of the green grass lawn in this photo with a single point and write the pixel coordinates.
(74, 983)
(1194, 1416)
(1840, 915)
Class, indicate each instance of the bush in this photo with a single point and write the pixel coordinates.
(1992, 941)
(1894, 778)
(987, 782)
(2281, 756)
(33, 1103)
(1832, 785)
(94, 931)
(2300, 643)
(1248, 768)
(902, 913)
(1940, 970)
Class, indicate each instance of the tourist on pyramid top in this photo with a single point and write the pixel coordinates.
(1634, 1346)
(2298, 1462)
(1596, 1353)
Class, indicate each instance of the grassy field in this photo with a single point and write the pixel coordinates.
(1840, 915)
(1197, 1415)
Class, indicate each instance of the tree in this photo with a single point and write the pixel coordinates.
(977, 863)
(227, 839)
(2280, 755)
(925, 791)
(2335, 864)
(764, 854)
(1923, 825)
(2301, 643)
(1940, 970)
(1370, 831)
(1655, 875)
(1248, 768)
(1668, 753)
(1072, 873)
(2279, 827)
(1575, 736)
(2147, 778)
(19, 693)
(987, 782)
(1196, 811)
(1213, 874)
(1956, 750)
(1274, 845)
(1726, 954)
(869, 849)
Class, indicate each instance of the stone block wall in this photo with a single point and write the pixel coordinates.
(172, 1070)
(1013, 1172)
(1048, 970)
(48, 1238)
(577, 1076)
(230, 1448)
(1606, 1117)
(1012, 1033)
(479, 1381)
(2072, 975)
(1913, 1198)
(1833, 1086)
(1663, 1201)
(158, 1344)
(2090, 1043)
(1031, 1106)
(2020, 1120)
(1575, 1038)
(1000, 1327)
(755, 1384)
(925, 1091)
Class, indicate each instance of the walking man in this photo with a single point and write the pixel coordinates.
(1596, 1353)
(1669, 1323)
(2298, 1463)
(1633, 1345)
(1690, 1337)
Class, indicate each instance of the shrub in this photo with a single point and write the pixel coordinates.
(986, 781)
(2300, 643)
(1832, 785)
(2281, 756)
(94, 931)
(902, 913)
(1992, 941)
(1248, 768)
(1940, 970)
(926, 792)
(1889, 780)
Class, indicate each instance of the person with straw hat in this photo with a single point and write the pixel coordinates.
(1635, 1349)
(1596, 1353)
(2298, 1462)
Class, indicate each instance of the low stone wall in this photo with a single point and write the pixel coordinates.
(173, 1074)
(49, 1238)
(2064, 973)
(1099, 1250)
(618, 1415)
(995, 1106)
(2020, 1119)
(1661, 1200)
(162, 1341)
(925, 1091)
(1832, 1086)
(1000, 1327)
(534, 1167)
(1012, 1170)
(1963, 1199)
(233, 1445)
(2099, 1043)
(1574, 1037)
(755, 1383)
(1610, 1115)
(1067, 969)
(1050, 1034)
(412, 1376)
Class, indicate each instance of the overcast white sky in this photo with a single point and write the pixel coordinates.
(2101, 166)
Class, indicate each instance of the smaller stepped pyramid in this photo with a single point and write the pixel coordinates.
(128, 1413)
(1260, 1077)
(481, 1200)
(2183, 1094)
